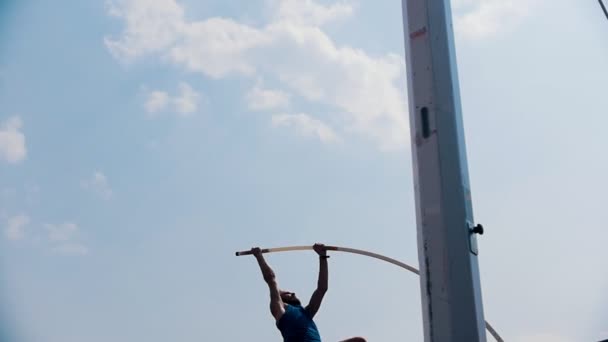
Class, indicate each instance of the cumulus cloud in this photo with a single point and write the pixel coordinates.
(308, 12)
(156, 101)
(98, 183)
(187, 100)
(15, 227)
(259, 98)
(151, 25)
(218, 47)
(479, 19)
(71, 249)
(306, 126)
(365, 92)
(12, 141)
(61, 232)
(64, 239)
(184, 103)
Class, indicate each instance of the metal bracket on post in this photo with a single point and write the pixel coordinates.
(473, 231)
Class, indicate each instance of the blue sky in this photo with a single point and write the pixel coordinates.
(143, 142)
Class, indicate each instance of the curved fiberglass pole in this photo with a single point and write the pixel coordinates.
(362, 252)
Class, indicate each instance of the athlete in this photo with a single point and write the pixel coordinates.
(294, 321)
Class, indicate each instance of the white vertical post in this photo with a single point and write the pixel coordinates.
(447, 246)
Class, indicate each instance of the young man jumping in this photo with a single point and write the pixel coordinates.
(294, 321)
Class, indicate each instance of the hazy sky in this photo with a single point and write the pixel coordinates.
(143, 142)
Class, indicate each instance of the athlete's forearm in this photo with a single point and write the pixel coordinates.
(322, 283)
(267, 272)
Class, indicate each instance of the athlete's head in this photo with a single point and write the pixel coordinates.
(289, 298)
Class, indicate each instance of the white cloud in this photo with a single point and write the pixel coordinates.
(306, 126)
(98, 183)
(187, 100)
(157, 101)
(15, 227)
(478, 19)
(259, 98)
(308, 12)
(366, 91)
(184, 103)
(64, 239)
(218, 47)
(12, 141)
(61, 232)
(152, 25)
(71, 249)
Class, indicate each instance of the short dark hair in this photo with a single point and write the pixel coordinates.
(291, 300)
(296, 302)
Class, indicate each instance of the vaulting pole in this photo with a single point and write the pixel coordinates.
(364, 253)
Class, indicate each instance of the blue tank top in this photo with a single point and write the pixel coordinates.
(296, 325)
